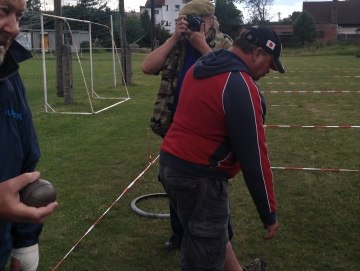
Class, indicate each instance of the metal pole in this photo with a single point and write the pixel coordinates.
(91, 62)
(43, 60)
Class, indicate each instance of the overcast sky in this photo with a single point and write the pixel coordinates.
(285, 7)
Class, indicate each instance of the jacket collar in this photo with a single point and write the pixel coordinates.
(19, 52)
(15, 54)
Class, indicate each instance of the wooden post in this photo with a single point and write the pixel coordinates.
(152, 25)
(68, 90)
(125, 49)
(58, 46)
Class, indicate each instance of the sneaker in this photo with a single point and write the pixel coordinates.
(173, 243)
(256, 265)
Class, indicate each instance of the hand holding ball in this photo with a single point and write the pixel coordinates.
(38, 193)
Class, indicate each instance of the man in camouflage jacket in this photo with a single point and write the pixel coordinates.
(173, 59)
(169, 58)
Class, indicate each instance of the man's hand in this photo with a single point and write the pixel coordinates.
(198, 40)
(180, 28)
(15, 264)
(272, 230)
(12, 209)
(154, 61)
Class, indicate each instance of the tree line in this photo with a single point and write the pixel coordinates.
(138, 30)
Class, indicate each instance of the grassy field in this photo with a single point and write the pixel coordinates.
(91, 159)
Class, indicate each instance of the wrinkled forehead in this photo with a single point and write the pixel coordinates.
(18, 5)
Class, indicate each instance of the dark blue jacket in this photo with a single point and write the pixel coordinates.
(19, 148)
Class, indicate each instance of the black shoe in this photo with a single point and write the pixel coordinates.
(173, 243)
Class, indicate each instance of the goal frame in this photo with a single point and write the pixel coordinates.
(47, 106)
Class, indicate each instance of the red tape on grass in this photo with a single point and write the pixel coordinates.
(97, 221)
(326, 76)
(308, 105)
(309, 91)
(310, 126)
(317, 169)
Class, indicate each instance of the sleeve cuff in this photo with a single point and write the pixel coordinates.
(269, 218)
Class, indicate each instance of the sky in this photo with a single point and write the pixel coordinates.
(285, 7)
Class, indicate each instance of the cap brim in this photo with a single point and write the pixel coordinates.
(276, 65)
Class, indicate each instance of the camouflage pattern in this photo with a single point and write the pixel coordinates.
(163, 107)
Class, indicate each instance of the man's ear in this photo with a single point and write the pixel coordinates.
(257, 53)
(211, 21)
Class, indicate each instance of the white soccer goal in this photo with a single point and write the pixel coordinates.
(94, 78)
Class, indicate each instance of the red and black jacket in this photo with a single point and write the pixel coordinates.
(218, 128)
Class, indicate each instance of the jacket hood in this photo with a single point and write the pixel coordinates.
(218, 61)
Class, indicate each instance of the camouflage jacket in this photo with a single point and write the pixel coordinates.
(163, 107)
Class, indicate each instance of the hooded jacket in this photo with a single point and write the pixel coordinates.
(218, 128)
(19, 148)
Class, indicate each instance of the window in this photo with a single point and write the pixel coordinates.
(156, 11)
(177, 7)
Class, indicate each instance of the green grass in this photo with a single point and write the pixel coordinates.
(91, 159)
(324, 49)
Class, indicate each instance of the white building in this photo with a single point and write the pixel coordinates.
(165, 10)
(31, 40)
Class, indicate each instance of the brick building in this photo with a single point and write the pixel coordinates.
(335, 20)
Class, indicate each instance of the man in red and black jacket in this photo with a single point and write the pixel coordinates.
(216, 133)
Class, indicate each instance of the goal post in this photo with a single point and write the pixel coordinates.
(85, 89)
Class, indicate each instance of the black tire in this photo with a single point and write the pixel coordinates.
(142, 213)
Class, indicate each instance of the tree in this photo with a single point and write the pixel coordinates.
(161, 33)
(145, 22)
(95, 15)
(258, 10)
(31, 17)
(229, 17)
(92, 4)
(304, 28)
(134, 30)
(33, 5)
(291, 18)
(295, 15)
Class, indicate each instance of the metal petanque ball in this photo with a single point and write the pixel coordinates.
(38, 193)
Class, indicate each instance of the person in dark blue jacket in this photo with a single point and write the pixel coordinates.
(19, 149)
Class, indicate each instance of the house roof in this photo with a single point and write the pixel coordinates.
(156, 3)
(162, 2)
(347, 11)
